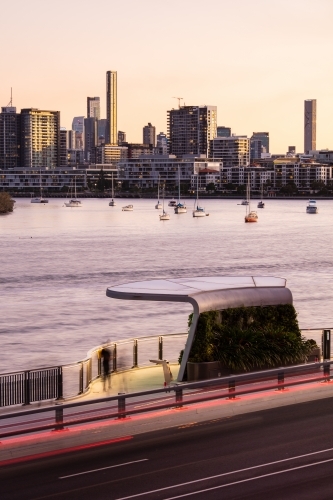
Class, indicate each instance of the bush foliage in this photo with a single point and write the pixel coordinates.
(248, 338)
(6, 203)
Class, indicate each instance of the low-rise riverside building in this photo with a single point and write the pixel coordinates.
(31, 179)
(145, 172)
(301, 173)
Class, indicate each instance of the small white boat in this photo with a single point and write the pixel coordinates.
(164, 215)
(261, 204)
(127, 208)
(39, 199)
(312, 207)
(112, 203)
(73, 202)
(158, 205)
(180, 208)
(244, 202)
(172, 203)
(250, 215)
(198, 211)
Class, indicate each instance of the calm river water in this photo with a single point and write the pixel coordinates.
(57, 263)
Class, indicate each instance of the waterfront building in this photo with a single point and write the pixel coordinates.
(190, 130)
(75, 157)
(10, 136)
(301, 172)
(204, 177)
(136, 150)
(310, 124)
(93, 107)
(259, 144)
(40, 138)
(29, 180)
(121, 137)
(149, 134)
(223, 131)
(233, 151)
(111, 108)
(110, 155)
(146, 171)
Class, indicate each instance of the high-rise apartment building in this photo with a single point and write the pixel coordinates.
(149, 134)
(111, 107)
(310, 123)
(190, 130)
(78, 127)
(162, 143)
(233, 151)
(40, 138)
(90, 139)
(93, 107)
(63, 160)
(259, 143)
(223, 131)
(10, 128)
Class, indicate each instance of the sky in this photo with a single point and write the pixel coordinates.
(256, 60)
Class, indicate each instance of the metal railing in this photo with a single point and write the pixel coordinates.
(118, 407)
(67, 381)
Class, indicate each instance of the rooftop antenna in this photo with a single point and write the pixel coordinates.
(10, 104)
(179, 99)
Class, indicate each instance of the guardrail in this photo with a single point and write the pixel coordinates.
(58, 382)
(59, 417)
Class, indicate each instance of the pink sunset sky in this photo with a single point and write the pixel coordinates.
(256, 60)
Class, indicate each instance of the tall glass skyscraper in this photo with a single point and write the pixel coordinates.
(93, 107)
(111, 107)
(310, 123)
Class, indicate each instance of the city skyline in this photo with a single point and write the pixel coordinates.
(257, 63)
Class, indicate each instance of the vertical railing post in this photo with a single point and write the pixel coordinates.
(114, 358)
(232, 388)
(160, 348)
(135, 354)
(99, 364)
(280, 381)
(59, 418)
(121, 405)
(26, 388)
(326, 344)
(60, 391)
(179, 397)
(327, 371)
(81, 378)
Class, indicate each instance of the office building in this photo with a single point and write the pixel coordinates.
(101, 130)
(149, 135)
(40, 138)
(259, 143)
(190, 130)
(63, 159)
(223, 131)
(310, 123)
(121, 137)
(93, 107)
(111, 108)
(78, 127)
(90, 139)
(233, 151)
(10, 132)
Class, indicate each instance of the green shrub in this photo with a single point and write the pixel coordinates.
(6, 203)
(248, 338)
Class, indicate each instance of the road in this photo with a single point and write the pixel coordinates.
(283, 453)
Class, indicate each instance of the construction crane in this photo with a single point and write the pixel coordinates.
(179, 99)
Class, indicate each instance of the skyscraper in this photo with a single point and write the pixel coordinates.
(223, 131)
(259, 143)
(190, 129)
(93, 107)
(149, 134)
(40, 138)
(310, 121)
(111, 107)
(10, 124)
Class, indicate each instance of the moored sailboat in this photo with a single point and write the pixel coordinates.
(39, 199)
(251, 215)
(164, 215)
(158, 205)
(180, 208)
(198, 211)
(73, 202)
(112, 202)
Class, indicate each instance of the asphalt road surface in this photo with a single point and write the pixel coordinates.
(283, 453)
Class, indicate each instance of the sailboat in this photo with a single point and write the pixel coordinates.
(112, 202)
(261, 204)
(180, 208)
(39, 199)
(251, 215)
(158, 204)
(198, 211)
(164, 215)
(73, 202)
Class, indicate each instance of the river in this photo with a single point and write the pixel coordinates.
(57, 262)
